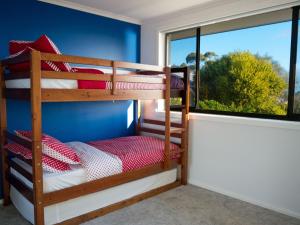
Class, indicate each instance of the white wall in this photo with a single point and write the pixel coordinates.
(250, 159)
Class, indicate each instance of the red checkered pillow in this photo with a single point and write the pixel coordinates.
(53, 148)
(49, 164)
(43, 44)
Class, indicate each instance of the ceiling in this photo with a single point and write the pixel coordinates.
(138, 9)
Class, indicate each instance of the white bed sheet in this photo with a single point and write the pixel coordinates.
(53, 83)
(46, 83)
(62, 211)
(54, 181)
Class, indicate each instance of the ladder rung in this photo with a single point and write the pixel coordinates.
(176, 130)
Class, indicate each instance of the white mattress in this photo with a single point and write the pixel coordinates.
(54, 181)
(46, 83)
(53, 83)
(72, 208)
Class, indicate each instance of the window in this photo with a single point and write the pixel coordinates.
(244, 65)
(182, 50)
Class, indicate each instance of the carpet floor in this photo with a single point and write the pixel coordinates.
(186, 205)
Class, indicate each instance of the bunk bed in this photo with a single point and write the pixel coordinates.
(34, 192)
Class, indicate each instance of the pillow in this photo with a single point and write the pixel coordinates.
(49, 164)
(43, 44)
(24, 66)
(53, 148)
(89, 84)
(17, 46)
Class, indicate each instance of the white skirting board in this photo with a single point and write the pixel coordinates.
(244, 198)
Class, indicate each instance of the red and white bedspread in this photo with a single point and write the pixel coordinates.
(109, 157)
(135, 151)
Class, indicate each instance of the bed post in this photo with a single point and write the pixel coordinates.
(3, 127)
(185, 126)
(36, 112)
(167, 161)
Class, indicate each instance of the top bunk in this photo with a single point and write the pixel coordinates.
(123, 81)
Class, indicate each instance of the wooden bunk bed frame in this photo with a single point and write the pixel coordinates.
(36, 95)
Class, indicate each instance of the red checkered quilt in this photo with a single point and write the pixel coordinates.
(136, 151)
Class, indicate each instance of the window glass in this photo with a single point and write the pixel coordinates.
(246, 70)
(181, 53)
(297, 85)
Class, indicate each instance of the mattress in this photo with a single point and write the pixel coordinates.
(73, 84)
(63, 211)
(176, 83)
(54, 181)
(136, 152)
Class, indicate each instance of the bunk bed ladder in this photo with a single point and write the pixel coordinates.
(167, 160)
(185, 126)
(3, 127)
(36, 105)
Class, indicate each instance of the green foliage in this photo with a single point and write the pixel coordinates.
(175, 101)
(215, 105)
(243, 82)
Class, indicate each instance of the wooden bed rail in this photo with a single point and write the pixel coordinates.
(71, 95)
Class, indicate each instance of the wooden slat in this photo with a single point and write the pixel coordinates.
(3, 127)
(73, 95)
(28, 161)
(16, 76)
(76, 76)
(101, 184)
(76, 59)
(18, 59)
(159, 132)
(185, 122)
(167, 118)
(120, 205)
(128, 65)
(20, 170)
(21, 187)
(17, 93)
(18, 140)
(36, 114)
(113, 80)
(176, 130)
(147, 72)
(161, 123)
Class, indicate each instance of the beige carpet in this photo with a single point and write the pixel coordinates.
(186, 205)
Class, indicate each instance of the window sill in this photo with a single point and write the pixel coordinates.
(270, 123)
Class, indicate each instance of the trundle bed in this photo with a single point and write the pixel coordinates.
(113, 173)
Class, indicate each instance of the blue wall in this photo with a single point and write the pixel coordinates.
(75, 33)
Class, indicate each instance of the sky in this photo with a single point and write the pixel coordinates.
(272, 40)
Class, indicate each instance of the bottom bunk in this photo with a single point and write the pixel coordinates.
(99, 160)
(60, 212)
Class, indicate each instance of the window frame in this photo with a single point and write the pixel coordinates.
(291, 115)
